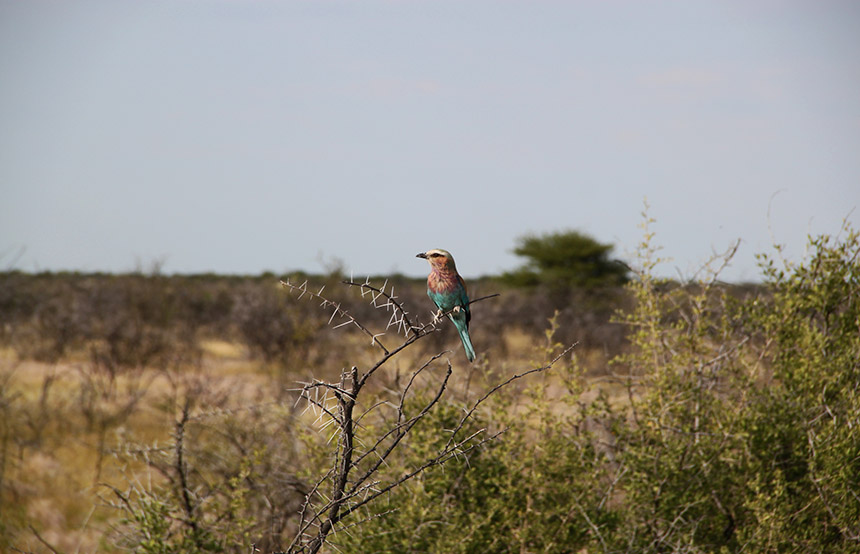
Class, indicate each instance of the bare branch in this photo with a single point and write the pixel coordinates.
(391, 302)
(404, 430)
(347, 493)
(337, 311)
(504, 384)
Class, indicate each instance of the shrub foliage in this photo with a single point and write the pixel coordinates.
(739, 432)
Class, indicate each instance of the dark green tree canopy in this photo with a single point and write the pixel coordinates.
(564, 259)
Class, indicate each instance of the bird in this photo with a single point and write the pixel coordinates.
(447, 290)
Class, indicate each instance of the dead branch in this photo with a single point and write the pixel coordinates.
(337, 403)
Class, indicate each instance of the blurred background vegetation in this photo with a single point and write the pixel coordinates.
(155, 413)
(566, 259)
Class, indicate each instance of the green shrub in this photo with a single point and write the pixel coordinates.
(804, 424)
(542, 486)
(741, 432)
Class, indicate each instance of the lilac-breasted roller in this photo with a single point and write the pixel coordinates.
(447, 290)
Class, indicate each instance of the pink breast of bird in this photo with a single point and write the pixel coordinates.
(441, 282)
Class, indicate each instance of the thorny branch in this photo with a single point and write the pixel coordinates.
(354, 473)
(337, 311)
(510, 380)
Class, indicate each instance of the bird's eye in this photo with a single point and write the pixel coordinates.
(435, 255)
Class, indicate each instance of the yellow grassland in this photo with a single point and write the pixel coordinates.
(66, 424)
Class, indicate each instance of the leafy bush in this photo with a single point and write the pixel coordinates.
(740, 432)
(541, 487)
(803, 426)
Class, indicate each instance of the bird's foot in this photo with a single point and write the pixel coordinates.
(437, 317)
(456, 310)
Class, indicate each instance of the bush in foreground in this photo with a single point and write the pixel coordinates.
(741, 433)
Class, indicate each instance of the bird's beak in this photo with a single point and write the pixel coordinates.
(421, 255)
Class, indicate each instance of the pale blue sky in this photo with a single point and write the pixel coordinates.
(242, 136)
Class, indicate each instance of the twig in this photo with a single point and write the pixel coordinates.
(504, 384)
(349, 494)
(42, 540)
(391, 301)
(303, 289)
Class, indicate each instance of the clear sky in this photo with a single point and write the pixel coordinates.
(243, 136)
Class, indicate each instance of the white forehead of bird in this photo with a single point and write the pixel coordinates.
(437, 252)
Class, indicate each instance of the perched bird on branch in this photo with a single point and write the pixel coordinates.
(447, 290)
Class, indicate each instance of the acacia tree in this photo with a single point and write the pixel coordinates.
(354, 480)
(566, 259)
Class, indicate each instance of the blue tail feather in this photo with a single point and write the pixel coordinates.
(467, 341)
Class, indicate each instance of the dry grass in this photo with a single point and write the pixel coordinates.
(59, 462)
(62, 456)
(93, 367)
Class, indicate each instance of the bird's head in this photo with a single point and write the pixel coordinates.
(439, 259)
